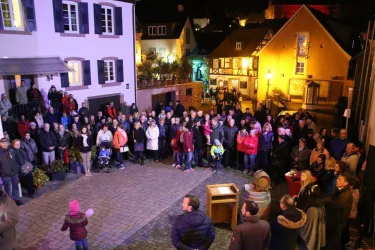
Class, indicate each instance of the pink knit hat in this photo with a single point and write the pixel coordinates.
(73, 207)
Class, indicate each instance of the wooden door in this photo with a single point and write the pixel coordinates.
(335, 91)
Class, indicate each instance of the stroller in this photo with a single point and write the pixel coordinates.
(103, 156)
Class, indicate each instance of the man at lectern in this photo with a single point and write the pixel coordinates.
(193, 229)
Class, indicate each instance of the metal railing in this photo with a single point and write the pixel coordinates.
(27, 109)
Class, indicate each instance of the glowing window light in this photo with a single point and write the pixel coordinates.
(245, 63)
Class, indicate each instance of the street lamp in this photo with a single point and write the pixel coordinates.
(268, 76)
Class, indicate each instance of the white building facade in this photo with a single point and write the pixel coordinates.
(96, 39)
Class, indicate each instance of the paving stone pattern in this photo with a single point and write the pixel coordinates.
(124, 202)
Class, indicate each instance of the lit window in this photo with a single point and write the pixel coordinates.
(251, 62)
(70, 16)
(227, 63)
(222, 63)
(162, 52)
(245, 63)
(215, 63)
(107, 20)
(152, 30)
(300, 67)
(235, 83)
(238, 45)
(302, 44)
(75, 78)
(221, 83)
(11, 11)
(235, 63)
(109, 71)
(162, 30)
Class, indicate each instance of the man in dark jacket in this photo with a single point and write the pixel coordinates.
(216, 133)
(48, 143)
(193, 229)
(230, 134)
(338, 206)
(179, 110)
(51, 117)
(253, 234)
(133, 109)
(198, 142)
(338, 146)
(64, 141)
(9, 172)
(286, 228)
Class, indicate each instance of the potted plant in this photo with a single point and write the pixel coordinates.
(40, 178)
(58, 170)
(75, 160)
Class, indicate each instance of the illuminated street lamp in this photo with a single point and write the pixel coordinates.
(268, 76)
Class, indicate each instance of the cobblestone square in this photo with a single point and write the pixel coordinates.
(125, 202)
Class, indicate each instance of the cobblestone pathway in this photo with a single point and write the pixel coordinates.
(125, 203)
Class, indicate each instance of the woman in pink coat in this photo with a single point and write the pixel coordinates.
(251, 151)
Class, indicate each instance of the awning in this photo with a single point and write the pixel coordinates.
(32, 66)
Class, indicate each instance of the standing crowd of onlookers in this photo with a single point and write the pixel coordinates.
(329, 165)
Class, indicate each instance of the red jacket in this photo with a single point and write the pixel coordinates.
(77, 224)
(22, 127)
(112, 112)
(187, 144)
(240, 140)
(120, 139)
(251, 145)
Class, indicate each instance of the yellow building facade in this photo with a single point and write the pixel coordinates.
(303, 52)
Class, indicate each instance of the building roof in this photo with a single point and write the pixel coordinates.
(127, 1)
(342, 33)
(208, 41)
(177, 28)
(30, 66)
(250, 39)
(308, 2)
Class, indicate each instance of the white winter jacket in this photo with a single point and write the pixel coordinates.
(152, 135)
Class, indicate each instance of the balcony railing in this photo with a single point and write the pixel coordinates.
(236, 71)
(149, 84)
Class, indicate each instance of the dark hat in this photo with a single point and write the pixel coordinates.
(242, 127)
(103, 118)
(189, 125)
(310, 131)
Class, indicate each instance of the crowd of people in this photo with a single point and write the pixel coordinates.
(327, 163)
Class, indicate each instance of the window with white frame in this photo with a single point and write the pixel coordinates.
(162, 30)
(300, 66)
(12, 15)
(215, 63)
(70, 16)
(162, 52)
(109, 71)
(75, 77)
(235, 63)
(152, 30)
(107, 20)
(238, 45)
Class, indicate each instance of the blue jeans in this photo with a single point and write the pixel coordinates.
(198, 155)
(11, 187)
(249, 159)
(188, 158)
(177, 158)
(217, 163)
(81, 244)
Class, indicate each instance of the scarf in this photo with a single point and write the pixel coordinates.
(39, 120)
(61, 133)
(85, 144)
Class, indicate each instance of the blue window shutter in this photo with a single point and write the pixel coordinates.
(119, 71)
(1, 22)
(29, 15)
(101, 78)
(83, 9)
(118, 21)
(86, 73)
(64, 80)
(58, 16)
(98, 18)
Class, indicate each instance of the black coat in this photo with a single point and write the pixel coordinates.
(308, 197)
(8, 165)
(139, 135)
(193, 230)
(198, 137)
(65, 140)
(19, 155)
(179, 110)
(79, 144)
(230, 135)
(286, 229)
(217, 133)
(47, 140)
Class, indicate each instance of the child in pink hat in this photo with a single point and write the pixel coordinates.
(76, 222)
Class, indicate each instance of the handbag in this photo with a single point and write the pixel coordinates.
(124, 149)
(27, 168)
(139, 146)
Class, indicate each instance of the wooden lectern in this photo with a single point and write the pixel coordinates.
(222, 203)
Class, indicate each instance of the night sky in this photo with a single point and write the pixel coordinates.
(356, 12)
